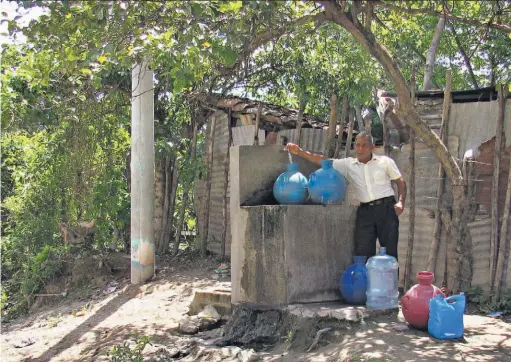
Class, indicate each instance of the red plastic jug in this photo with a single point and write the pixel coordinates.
(415, 303)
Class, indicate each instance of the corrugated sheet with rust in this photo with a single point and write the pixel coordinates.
(312, 140)
(475, 123)
(242, 135)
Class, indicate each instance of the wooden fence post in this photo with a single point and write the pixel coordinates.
(298, 132)
(258, 120)
(494, 239)
(505, 240)
(437, 234)
(411, 188)
(204, 241)
(226, 183)
(347, 149)
(344, 113)
(331, 126)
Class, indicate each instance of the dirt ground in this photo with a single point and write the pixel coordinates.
(83, 329)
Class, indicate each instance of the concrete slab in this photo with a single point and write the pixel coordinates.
(220, 298)
(333, 310)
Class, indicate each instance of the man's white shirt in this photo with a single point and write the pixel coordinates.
(372, 180)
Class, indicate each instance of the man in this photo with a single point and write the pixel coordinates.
(371, 179)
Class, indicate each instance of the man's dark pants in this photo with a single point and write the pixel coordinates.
(376, 220)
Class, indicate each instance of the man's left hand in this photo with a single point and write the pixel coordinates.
(399, 207)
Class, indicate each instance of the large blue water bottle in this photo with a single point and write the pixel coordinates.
(382, 292)
(353, 282)
(327, 185)
(290, 188)
(446, 316)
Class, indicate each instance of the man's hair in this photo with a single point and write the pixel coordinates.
(365, 135)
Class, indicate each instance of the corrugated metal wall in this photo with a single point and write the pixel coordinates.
(242, 135)
(470, 125)
(312, 140)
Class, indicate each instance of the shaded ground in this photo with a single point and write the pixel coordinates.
(83, 330)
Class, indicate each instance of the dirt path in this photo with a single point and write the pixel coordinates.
(154, 310)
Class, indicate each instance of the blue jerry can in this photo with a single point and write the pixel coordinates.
(446, 316)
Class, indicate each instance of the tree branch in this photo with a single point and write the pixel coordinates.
(465, 58)
(431, 55)
(502, 26)
(272, 34)
(406, 108)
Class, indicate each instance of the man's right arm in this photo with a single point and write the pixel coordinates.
(312, 157)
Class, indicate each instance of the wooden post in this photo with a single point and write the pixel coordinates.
(258, 120)
(505, 239)
(386, 133)
(331, 126)
(503, 255)
(347, 149)
(186, 190)
(344, 113)
(205, 232)
(411, 188)
(226, 183)
(494, 238)
(437, 235)
(298, 131)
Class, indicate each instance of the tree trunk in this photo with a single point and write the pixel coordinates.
(407, 112)
(226, 187)
(332, 125)
(466, 59)
(492, 69)
(205, 232)
(411, 188)
(495, 217)
(186, 190)
(167, 234)
(437, 235)
(166, 199)
(347, 149)
(298, 132)
(430, 57)
(360, 120)
(344, 113)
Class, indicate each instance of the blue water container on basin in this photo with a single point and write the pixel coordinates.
(353, 282)
(382, 281)
(290, 188)
(327, 185)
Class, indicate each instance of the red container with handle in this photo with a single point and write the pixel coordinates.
(415, 303)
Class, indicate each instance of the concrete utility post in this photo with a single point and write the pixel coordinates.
(142, 174)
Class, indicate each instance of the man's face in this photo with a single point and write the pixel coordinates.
(363, 148)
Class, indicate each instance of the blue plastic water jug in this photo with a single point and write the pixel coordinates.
(327, 185)
(382, 292)
(290, 188)
(353, 282)
(446, 316)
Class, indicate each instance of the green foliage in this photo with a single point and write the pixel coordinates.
(127, 352)
(487, 302)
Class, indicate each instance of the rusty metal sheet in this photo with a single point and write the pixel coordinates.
(227, 102)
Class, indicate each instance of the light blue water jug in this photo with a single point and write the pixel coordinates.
(327, 185)
(290, 188)
(382, 292)
(446, 316)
